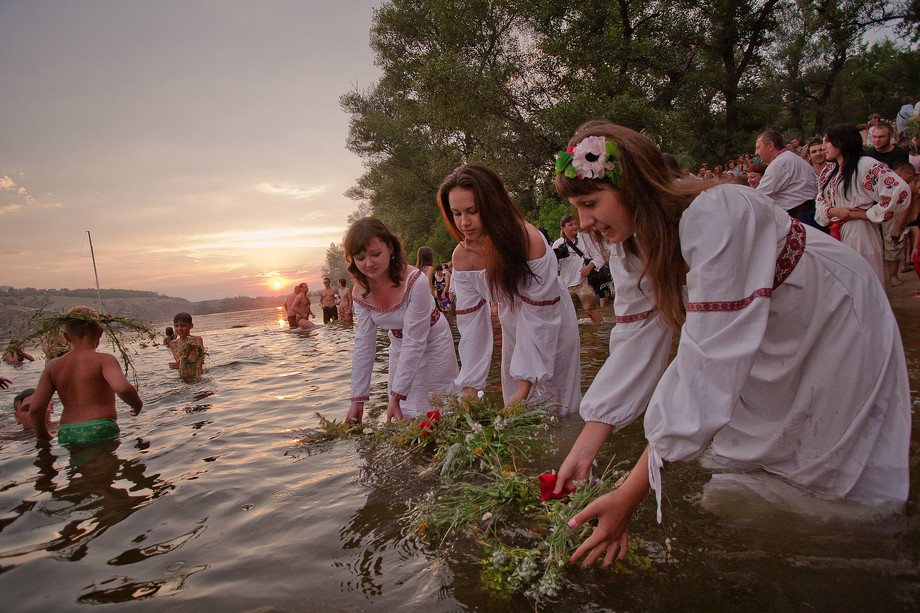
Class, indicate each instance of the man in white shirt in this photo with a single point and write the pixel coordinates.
(789, 180)
(578, 255)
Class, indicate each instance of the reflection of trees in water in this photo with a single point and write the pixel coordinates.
(95, 503)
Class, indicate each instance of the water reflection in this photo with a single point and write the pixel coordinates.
(99, 490)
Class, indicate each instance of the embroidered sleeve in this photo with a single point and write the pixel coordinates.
(362, 358)
(823, 200)
(729, 238)
(474, 322)
(890, 194)
(639, 347)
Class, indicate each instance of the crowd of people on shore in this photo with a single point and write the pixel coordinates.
(789, 357)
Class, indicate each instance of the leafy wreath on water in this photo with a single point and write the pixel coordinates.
(481, 490)
(122, 332)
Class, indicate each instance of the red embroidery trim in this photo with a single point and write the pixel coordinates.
(361, 399)
(435, 316)
(791, 254)
(413, 277)
(786, 262)
(397, 396)
(482, 302)
(628, 319)
(540, 302)
(735, 305)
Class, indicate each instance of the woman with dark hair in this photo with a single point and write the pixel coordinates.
(394, 296)
(857, 193)
(502, 258)
(789, 358)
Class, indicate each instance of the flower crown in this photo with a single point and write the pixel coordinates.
(595, 157)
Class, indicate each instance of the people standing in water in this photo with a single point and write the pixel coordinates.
(21, 405)
(327, 300)
(502, 258)
(791, 363)
(345, 313)
(856, 194)
(86, 383)
(393, 296)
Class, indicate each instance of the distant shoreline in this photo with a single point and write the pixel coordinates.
(18, 305)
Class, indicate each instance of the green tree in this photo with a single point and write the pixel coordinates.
(335, 267)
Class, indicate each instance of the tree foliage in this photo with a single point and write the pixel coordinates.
(506, 82)
(335, 267)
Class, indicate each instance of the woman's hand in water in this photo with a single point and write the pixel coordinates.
(610, 537)
(355, 413)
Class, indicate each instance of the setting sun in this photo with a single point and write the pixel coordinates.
(277, 284)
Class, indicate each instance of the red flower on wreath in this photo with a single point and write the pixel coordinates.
(433, 415)
(548, 484)
(425, 427)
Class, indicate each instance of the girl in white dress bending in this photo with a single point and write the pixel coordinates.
(502, 258)
(789, 358)
(856, 194)
(396, 297)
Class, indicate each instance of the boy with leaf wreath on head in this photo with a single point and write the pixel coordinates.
(86, 383)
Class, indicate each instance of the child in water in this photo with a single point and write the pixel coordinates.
(188, 350)
(86, 382)
(21, 404)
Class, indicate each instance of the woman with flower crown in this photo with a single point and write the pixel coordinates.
(789, 357)
(394, 296)
(502, 258)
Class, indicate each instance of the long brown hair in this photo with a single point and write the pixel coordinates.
(356, 239)
(656, 200)
(505, 243)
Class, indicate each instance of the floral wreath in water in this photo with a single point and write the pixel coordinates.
(594, 157)
(121, 331)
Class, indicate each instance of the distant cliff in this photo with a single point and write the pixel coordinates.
(18, 305)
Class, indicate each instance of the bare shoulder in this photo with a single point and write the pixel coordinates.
(536, 242)
(197, 340)
(467, 258)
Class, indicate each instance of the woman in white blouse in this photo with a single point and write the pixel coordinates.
(789, 358)
(501, 258)
(391, 295)
(858, 193)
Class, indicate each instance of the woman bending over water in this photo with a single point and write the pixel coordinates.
(789, 356)
(503, 258)
(394, 296)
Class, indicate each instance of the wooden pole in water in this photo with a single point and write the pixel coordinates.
(95, 273)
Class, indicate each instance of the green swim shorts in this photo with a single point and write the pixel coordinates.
(83, 433)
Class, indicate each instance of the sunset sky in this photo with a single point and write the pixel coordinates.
(200, 141)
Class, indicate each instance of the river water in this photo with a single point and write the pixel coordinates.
(212, 500)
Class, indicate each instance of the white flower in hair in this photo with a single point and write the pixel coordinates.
(590, 158)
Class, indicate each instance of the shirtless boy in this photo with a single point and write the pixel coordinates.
(344, 301)
(86, 383)
(327, 301)
(188, 350)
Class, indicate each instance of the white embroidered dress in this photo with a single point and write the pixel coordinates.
(540, 341)
(876, 189)
(422, 359)
(790, 357)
